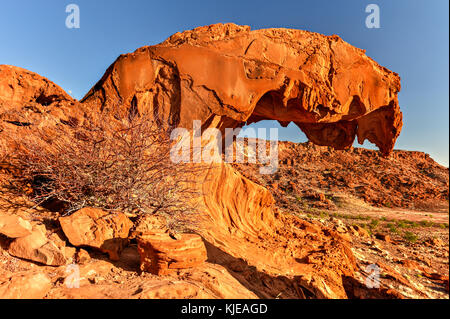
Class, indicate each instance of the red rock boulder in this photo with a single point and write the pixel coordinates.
(39, 248)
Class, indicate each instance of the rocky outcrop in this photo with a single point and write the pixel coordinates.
(208, 281)
(227, 75)
(19, 86)
(162, 253)
(99, 229)
(83, 256)
(406, 179)
(37, 247)
(25, 96)
(13, 226)
(31, 242)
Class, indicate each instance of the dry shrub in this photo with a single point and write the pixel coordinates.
(3, 152)
(118, 165)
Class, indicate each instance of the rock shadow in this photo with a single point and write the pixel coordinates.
(263, 285)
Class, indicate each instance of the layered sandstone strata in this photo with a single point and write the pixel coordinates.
(162, 253)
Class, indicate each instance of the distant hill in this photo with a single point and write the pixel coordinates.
(407, 179)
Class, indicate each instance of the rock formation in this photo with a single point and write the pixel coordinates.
(30, 241)
(97, 228)
(226, 76)
(161, 253)
(26, 285)
(37, 247)
(14, 226)
(26, 97)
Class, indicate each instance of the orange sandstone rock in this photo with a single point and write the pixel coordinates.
(226, 76)
(161, 254)
(383, 237)
(27, 98)
(14, 226)
(97, 228)
(37, 247)
(26, 285)
(19, 86)
(83, 256)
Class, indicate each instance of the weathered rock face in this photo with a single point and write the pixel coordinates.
(19, 86)
(26, 285)
(13, 226)
(226, 75)
(25, 96)
(97, 228)
(162, 254)
(37, 247)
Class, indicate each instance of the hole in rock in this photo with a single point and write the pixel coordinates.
(290, 133)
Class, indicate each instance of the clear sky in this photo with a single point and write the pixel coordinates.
(413, 40)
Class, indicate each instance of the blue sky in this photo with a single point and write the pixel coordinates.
(413, 41)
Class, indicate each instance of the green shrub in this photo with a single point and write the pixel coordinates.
(410, 236)
(392, 228)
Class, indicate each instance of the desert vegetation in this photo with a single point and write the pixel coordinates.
(116, 165)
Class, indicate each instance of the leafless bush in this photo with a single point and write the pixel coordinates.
(108, 163)
(3, 152)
